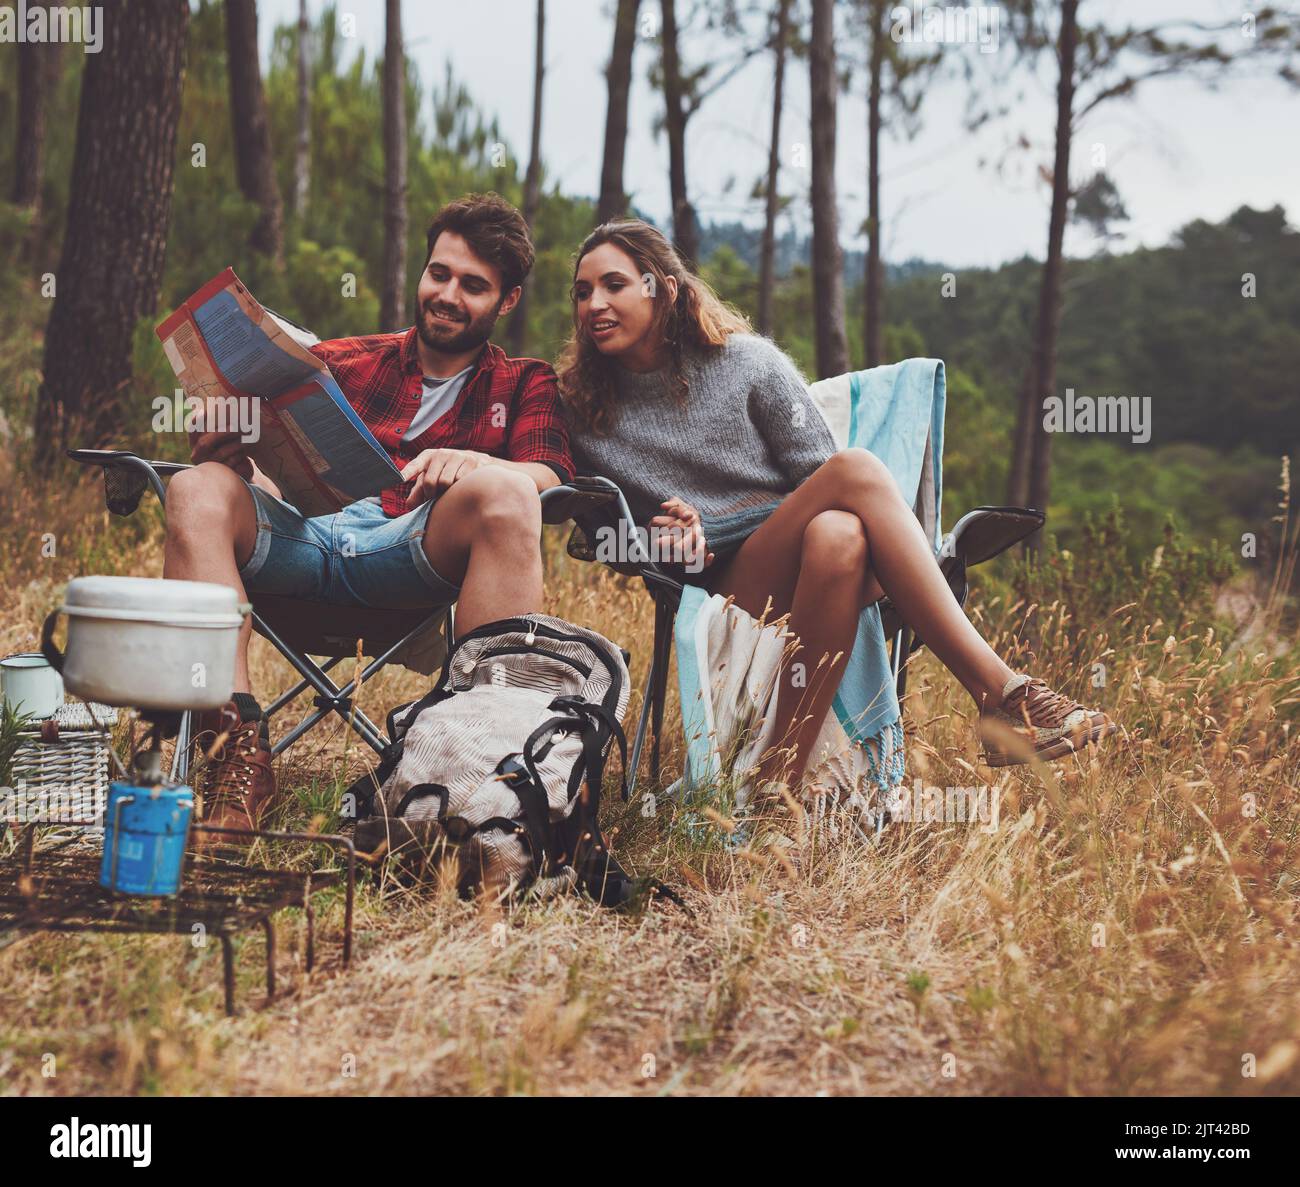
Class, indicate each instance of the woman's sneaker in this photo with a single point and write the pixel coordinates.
(1050, 724)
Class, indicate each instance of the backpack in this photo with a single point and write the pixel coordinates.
(502, 763)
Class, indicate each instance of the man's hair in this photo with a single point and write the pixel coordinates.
(495, 232)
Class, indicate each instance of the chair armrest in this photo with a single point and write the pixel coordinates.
(117, 457)
(577, 497)
(986, 532)
(126, 475)
(597, 492)
(978, 536)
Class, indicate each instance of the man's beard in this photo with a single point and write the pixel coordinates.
(471, 335)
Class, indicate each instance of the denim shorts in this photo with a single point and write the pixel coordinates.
(355, 557)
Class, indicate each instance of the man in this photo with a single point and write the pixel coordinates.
(477, 436)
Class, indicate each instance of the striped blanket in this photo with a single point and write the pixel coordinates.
(728, 663)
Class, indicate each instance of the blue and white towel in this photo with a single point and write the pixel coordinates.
(727, 663)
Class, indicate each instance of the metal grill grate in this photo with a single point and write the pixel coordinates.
(57, 889)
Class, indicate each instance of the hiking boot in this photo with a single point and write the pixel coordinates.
(1051, 724)
(237, 783)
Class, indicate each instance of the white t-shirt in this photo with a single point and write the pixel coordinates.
(436, 400)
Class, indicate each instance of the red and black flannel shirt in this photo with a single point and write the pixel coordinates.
(509, 408)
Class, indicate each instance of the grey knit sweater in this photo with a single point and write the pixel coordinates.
(745, 435)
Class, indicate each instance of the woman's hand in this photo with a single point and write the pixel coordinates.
(678, 533)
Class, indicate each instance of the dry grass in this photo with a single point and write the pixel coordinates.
(1129, 927)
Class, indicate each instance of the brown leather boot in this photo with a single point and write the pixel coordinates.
(237, 784)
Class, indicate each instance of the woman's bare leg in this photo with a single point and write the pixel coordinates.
(813, 566)
(832, 583)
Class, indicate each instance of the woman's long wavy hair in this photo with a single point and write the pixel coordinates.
(698, 318)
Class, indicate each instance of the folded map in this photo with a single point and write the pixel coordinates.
(226, 348)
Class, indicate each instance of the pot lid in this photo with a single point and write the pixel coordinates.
(157, 594)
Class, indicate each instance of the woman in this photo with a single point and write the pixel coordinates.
(711, 433)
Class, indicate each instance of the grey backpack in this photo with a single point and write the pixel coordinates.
(502, 763)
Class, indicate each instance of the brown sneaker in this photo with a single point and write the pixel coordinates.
(237, 784)
(1050, 724)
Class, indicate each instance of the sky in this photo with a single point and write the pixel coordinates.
(1176, 152)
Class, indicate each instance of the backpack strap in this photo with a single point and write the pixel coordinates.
(365, 789)
(584, 845)
(595, 725)
(599, 874)
(565, 854)
(527, 787)
(580, 842)
(410, 711)
(606, 727)
(419, 792)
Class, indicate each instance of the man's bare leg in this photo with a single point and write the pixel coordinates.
(484, 535)
(211, 532)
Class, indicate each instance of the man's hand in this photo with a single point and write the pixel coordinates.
(226, 448)
(435, 470)
(679, 527)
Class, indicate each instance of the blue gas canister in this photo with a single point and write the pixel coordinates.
(145, 829)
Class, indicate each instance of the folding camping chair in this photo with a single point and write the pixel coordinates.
(977, 536)
(299, 630)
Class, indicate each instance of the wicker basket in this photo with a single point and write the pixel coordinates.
(63, 782)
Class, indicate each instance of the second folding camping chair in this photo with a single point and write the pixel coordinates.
(897, 413)
(978, 536)
(300, 630)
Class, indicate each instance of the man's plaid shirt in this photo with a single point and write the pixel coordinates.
(509, 408)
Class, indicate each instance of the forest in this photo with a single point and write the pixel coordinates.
(1124, 925)
(1169, 323)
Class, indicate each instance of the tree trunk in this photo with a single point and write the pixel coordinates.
(1031, 469)
(37, 72)
(533, 179)
(767, 256)
(254, 161)
(613, 198)
(874, 288)
(685, 233)
(1022, 441)
(118, 210)
(392, 312)
(302, 149)
(827, 262)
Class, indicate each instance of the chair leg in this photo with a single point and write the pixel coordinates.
(902, 645)
(663, 645)
(634, 763)
(180, 772)
(298, 689)
(330, 693)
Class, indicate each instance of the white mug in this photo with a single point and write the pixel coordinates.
(30, 685)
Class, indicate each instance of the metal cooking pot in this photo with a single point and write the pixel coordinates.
(148, 643)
